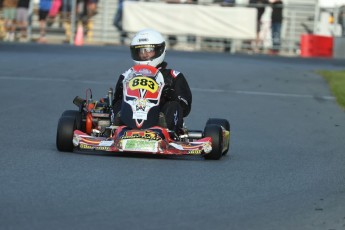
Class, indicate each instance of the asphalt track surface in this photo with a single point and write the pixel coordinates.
(285, 168)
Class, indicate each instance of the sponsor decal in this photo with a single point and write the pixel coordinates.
(196, 151)
(139, 115)
(145, 71)
(84, 146)
(100, 148)
(106, 143)
(140, 104)
(141, 134)
(140, 145)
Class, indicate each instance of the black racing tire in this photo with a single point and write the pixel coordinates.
(64, 135)
(219, 121)
(68, 113)
(215, 132)
(77, 115)
(223, 122)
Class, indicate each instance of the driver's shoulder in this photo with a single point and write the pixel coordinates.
(171, 73)
(126, 73)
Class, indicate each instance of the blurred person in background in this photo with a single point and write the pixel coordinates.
(117, 22)
(2, 29)
(66, 9)
(44, 8)
(86, 9)
(9, 15)
(118, 15)
(341, 19)
(276, 24)
(22, 18)
(260, 5)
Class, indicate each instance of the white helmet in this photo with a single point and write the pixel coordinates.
(148, 40)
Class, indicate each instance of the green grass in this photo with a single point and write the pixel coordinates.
(336, 81)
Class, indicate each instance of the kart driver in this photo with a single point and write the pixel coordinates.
(148, 48)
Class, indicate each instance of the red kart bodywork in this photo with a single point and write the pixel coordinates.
(152, 141)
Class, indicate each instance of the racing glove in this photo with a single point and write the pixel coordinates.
(169, 93)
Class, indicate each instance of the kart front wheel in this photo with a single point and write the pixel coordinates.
(77, 115)
(226, 125)
(215, 132)
(64, 135)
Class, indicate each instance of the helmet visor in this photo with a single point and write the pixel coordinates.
(147, 52)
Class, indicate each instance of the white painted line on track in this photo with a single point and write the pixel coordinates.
(52, 80)
(193, 89)
(263, 93)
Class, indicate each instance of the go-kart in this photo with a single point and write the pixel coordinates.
(139, 127)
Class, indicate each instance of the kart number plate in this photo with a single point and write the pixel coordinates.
(140, 145)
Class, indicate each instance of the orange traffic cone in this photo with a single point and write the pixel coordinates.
(79, 37)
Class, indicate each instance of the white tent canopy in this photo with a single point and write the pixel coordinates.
(183, 19)
(331, 3)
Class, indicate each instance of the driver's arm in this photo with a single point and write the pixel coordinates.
(184, 95)
(118, 90)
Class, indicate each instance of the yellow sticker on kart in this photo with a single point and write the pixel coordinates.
(143, 83)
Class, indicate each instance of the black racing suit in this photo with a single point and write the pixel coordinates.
(176, 100)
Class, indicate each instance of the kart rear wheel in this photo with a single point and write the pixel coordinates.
(215, 132)
(226, 125)
(219, 121)
(64, 135)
